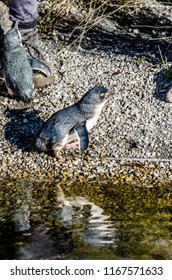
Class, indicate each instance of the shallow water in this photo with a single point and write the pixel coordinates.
(52, 220)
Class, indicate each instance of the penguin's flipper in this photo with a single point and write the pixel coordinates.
(40, 66)
(82, 134)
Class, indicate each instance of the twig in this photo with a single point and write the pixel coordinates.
(140, 159)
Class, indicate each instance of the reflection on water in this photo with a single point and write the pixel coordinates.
(22, 212)
(88, 221)
(49, 220)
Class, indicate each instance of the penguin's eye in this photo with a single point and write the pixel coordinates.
(102, 95)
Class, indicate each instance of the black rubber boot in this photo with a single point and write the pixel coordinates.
(31, 42)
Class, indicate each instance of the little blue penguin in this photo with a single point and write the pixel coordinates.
(18, 67)
(17, 70)
(70, 126)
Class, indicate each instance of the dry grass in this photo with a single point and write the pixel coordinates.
(84, 13)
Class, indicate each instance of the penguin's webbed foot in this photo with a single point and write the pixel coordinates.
(73, 145)
(58, 156)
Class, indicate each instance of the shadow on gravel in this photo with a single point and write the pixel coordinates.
(163, 81)
(137, 36)
(144, 38)
(22, 128)
(127, 44)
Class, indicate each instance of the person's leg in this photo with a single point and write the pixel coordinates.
(25, 12)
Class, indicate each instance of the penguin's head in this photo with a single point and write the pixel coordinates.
(96, 95)
(12, 38)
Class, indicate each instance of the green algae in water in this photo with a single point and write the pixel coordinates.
(50, 220)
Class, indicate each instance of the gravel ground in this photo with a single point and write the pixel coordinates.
(133, 136)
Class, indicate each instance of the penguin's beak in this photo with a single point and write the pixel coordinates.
(16, 25)
(17, 28)
(110, 92)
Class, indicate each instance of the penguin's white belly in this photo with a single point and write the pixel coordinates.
(91, 122)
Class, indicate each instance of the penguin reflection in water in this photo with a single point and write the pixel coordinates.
(18, 67)
(70, 126)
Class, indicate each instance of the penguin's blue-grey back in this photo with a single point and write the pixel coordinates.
(57, 126)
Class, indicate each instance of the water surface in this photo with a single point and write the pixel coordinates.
(91, 220)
